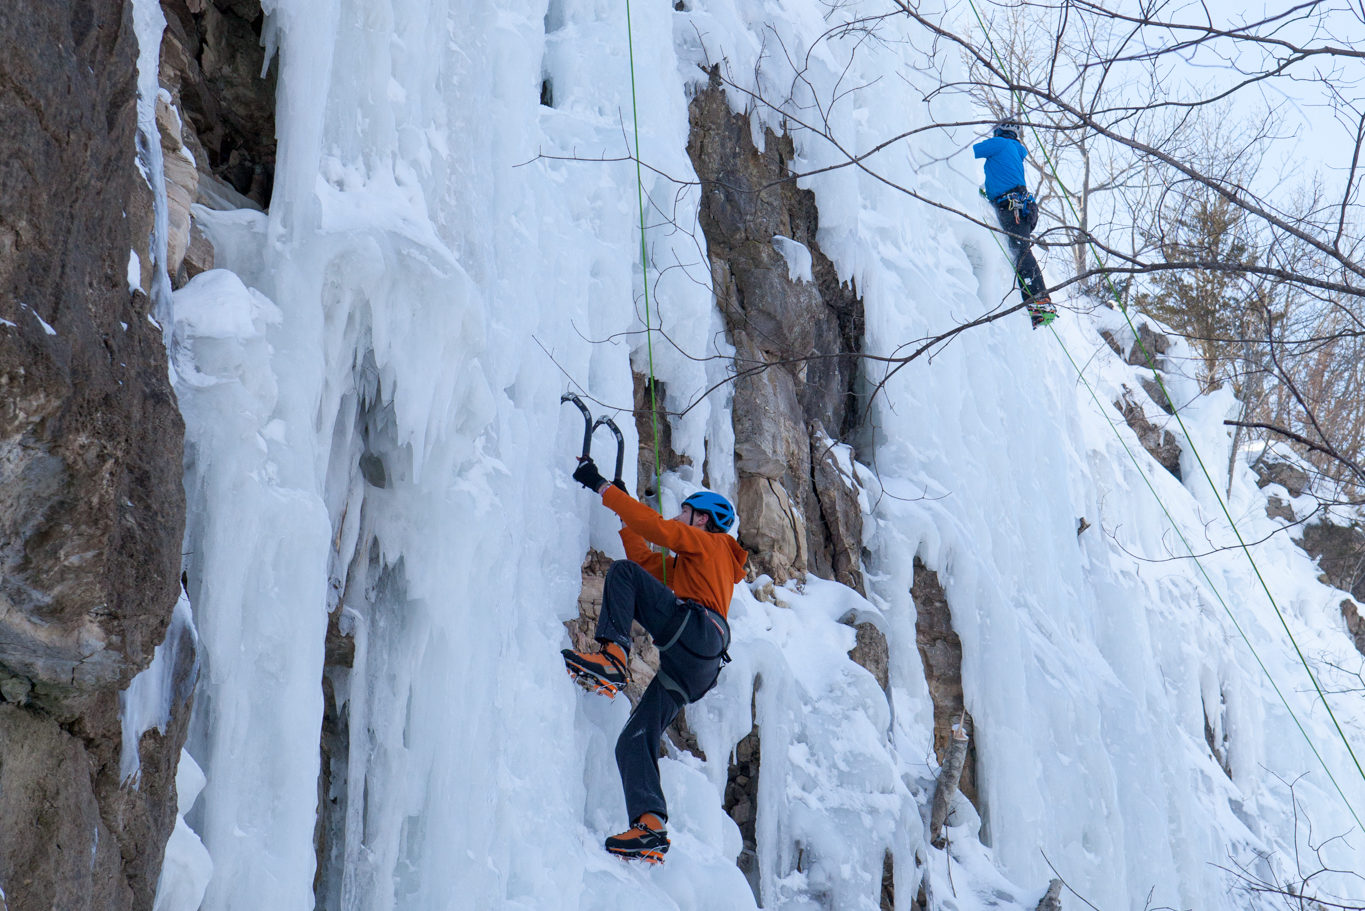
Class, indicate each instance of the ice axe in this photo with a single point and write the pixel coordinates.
(590, 427)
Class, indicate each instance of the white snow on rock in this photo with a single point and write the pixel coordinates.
(149, 698)
(797, 256)
(187, 867)
(134, 271)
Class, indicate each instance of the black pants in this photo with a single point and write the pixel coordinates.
(685, 673)
(1017, 233)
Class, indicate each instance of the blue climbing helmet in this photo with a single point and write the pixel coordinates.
(715, 506)
(1008, 129)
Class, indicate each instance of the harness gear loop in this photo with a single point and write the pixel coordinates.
(688, 608)
(1018, 202)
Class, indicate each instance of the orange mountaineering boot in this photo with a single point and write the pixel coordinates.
(646, 840)
(603, 672)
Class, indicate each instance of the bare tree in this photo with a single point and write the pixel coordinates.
(1313, 884)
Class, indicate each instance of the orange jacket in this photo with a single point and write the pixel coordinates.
(704, 566)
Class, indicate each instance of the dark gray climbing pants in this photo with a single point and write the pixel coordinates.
(686, 672)
(1019, 225)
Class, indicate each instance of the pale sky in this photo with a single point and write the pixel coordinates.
(1323, 138)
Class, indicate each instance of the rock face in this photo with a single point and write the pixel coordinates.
(1289, 476)
(741, 802)
(1162, 444)
(941, 653)
(1148, 349)
(182, 183)
(1275, 508)
(651, 409)
(872, 652)
(797, 332)
(91, 502)
(1340, 552)
(216, 119)
(211, 64)
(1355, 624)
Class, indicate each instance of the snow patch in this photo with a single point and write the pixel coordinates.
(41, 322)
(187, 867)
(150, 697)
(797, 256)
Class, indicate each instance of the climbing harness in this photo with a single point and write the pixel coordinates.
(1018, 201)
(688, 609)
(590, 427)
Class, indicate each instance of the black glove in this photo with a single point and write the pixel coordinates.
(588, 475)
(621, 486)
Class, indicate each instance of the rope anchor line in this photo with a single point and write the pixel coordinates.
(644, 273)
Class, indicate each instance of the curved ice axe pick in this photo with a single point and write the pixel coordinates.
(590, 426)
(605, 421)
(587, 423)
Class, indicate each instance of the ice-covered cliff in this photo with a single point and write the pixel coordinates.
(383, 543)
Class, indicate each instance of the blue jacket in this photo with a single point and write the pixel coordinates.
(1004, 164)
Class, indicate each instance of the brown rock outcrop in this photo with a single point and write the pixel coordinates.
(1340, 552)
(212, 63)
(841, 514)
(182, 184)
(651, 420)
(741, 801)
(91, 502)
(1275, 471)
(797, 343)
(1162, 444)
(216, 119)
(1355, 624)
(872, 652)
(940, 651)
(1149, 348)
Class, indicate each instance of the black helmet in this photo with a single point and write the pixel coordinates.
(1007, 128)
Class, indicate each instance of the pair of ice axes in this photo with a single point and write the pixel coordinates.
(590, 427)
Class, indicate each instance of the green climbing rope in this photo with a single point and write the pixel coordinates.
(644, 272)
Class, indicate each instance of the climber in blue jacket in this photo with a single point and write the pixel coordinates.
(1018, 213)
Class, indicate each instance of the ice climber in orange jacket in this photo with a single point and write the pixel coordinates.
(686, 617)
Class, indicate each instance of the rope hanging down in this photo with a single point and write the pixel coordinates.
(1151, 363)
(644, 272)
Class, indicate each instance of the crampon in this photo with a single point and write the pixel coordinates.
(640, 842)
(599, 672)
